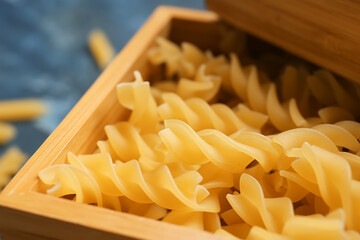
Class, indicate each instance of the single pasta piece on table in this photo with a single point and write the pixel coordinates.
(101, 48)
(7, 132)
(21, 109)
(10, 162)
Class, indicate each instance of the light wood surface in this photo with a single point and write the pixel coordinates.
(64, 219)
(325, 32)
(27, 214)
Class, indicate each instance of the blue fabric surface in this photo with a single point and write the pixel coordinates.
(44, 54)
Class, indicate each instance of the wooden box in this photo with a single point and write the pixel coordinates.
(27, 214)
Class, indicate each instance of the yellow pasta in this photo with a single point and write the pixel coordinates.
(10, 162)
(200, 115)
(128, 179)
(204, 86)
(198, 220)
(137, 97)
(212, 146)
(256, 210)
(150, 210)
(340, 95)
(334, 114)
(21, 109)
(15, 110)
(253, 118)
(223, 148)
(100, 47)
(7, 132)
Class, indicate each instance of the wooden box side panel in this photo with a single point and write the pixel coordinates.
(326, 33)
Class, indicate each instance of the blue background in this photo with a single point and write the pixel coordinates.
(44, 53)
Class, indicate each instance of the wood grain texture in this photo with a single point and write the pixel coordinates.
(325, 32)
(27, 214)
(57, 218)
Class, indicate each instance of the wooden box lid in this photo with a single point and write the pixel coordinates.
(323, 32)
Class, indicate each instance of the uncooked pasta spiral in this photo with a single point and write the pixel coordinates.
(127, 179)
(321, 227)
(200, 115)
(328, 175)
(72, 179)
(149, 210)
(126, 142)
(194, 219)
(254, 209)
(221, 147)
(203, 86)
(327, 136)
(339, 136)
(263, 97)
(211, 145)
(200, 75)
(137, 97)
(322, 82)
(183, 61)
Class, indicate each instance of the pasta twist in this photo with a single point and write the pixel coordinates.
(68, 179)
(76, 179)
(328, 136)
(339, 136)
(185, 157)
(350, 126)
(254, 209)
(328, 175)
(307, 227)
(200, 115)
(137, 97)
(274, 185)
(150, 210)
(263, 97)
(126, 143)
(200, 75)
(298, 87)
(184, 61)
(227, 153)
(252, 118)
(197, 220)
(10, 162)
(322, 82)
(127, 179)
(213, 177)
(203, 86)
(295, 138)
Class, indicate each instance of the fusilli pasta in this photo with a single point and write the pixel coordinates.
(280, 160)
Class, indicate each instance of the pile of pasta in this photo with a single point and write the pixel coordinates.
(15, 110)
(218, 146)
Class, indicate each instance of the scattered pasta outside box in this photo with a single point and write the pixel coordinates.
(235, 143)
(9, 164)
(15, 110)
